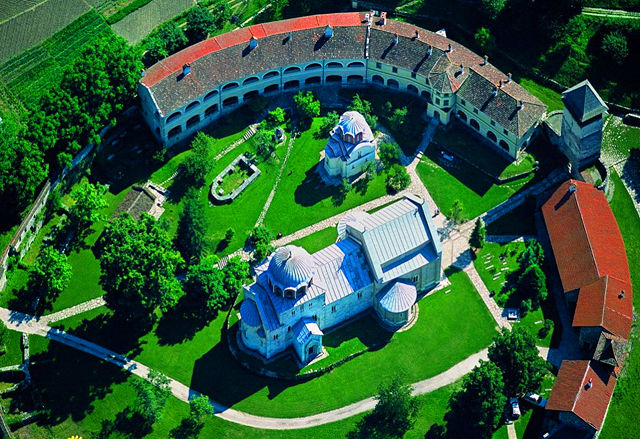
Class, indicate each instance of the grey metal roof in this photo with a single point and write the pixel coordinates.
(398, 296)
(408, 263)
(265, 307)
(291, 266)
(583, 101)
(305, 328)
(249, 313)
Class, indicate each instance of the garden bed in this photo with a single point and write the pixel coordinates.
(234, 179)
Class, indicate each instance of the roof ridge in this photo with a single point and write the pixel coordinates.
(584, 230)
(580, 389)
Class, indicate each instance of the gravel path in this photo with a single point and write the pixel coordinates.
(68, 312)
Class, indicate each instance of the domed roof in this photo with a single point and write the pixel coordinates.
(291, 266)
(399, 297)
(354, 123)
(249, 313)
(352, 218)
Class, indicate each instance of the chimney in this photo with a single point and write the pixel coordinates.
(500, 84)
(384, 18)
(461, 70)
(417, 35)
(572, 188)
(589, 384)
(142, 73)
(395, 39)
(508, 77)
(449, 49)
(328, 32)
(429, 51)
(621, 295)
(520, 105)
(289, 36)
(495, 91)
(253, 43)
(486, 60)
(186, 69)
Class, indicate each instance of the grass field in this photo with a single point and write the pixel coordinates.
(303, 196)
(619, 139)
(317, 240)
(36, 70)
(135, 26)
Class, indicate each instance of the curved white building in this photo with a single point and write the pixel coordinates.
(350, 147)
(193, 87)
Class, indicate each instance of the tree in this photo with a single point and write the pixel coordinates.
(398, 178)
(457, 212)
(276, 118)
(364, 107)
(258, 103)
(197, 165)
(200, 22)
(369, 171)
(200, 408)
(235, 273)
(229, 234)
(221, 13)
(261, 238)
(138, 266)
(204, 289)
(88, 202)
(484, 39)
(390, 154)
(307, 105)
(192, 229)
(151, 397)
(492, 8)
(398, 118)
(167, 39)
(328, 123)
(614, 46)
(517, 356)
(394, 414)
(3, 338)
(50, 274)
(477, 238)
(533, 254)
(532, 284)
(341, 194)
(265, 143)
(475, 411)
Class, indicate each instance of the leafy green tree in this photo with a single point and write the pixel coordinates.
(200, 23)
(197, 165)
(221, 13)
(615, 47)
(492, 8)
(342, 191)
(533, 254)
(4, 332)
(398, 178)
(151, 397)
(517, 356)
(276, 118)
(457, 212)
(398, 118)
(387, 109)
(235, 274)
(478, 235)
(229, 234)
(390, 154)
(307, 105)
(138, 265)
(192, 229)
(532, 285)
(475, 411)
(166, 40)
(50, 274)
(363, 107)
(394, 414)
(484, 39)
(265, 143)
(261, 238)
(328, 123)
(204, 289)
(369, 171)
(86, 209)
(200, 408)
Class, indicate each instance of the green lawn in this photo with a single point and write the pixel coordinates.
(476, 191)
(318, 240)
(302, 197)
(618, 139)
(621, 420)
(13, 349)
(551, 98)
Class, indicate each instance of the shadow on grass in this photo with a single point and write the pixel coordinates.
(180, 323)
(461, 171)
(366, 330)
(313, 190)
(126, 423)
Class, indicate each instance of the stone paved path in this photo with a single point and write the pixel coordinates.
(275, 185)
(72, 311)
(511, 431)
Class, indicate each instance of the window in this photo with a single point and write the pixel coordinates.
(414, 279)
(446, 102)
(394, 69)
(475, 110)
(301, 307)
(463, 102)
(360, 295)
(289, 328)
(333, 308)
(275, 336)
(293, 312)
(378, 65)
(437, 101)
(493, 123)
(413, 75)
(506, 133)
(310, 304)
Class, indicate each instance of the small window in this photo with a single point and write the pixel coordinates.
(293, 312)
(475, 110)
(333, 308)
(301, 307)
(414, 279)
(413, 75)
(446, 102)
(437, 101)
(378, 65)
(493, 123)
(310, 304)
(394, 69)
(463, 102)
(275, 336)
(360, 295)
(289, 328)
(506, 133)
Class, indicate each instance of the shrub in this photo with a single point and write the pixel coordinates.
(484, 39)
(389, 153)
(276, 117)
(546, 328)
(457, 212)
(328, 123)
(398, 178)
(614, 45)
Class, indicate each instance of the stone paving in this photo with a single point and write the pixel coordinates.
(68, 312)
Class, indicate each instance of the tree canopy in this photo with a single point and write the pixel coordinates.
(398, 178)
(151, 397)
(200, 22)
(363, 107)
(88, 202)
(196, 166)
(138, 265)
(261, 239)
(389, 153)
(478, 235)
(532, 285)
(307, 105)
(50, 274)
(204, 289)
(192, 227)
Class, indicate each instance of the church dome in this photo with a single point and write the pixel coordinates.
(353, 128)
(291, 266)
(399, 297)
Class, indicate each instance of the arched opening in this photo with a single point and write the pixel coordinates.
(474, 123)
(191, 106)
(355, 79)
(356, 65)
(230, 101)
(504, 145)
(271, 88)
(193, 121)
(393, 83)
(173, 117)
(211, 95)
(230, 86)
(211, 110)
(436, 115)
(277, 290)
(271, 74)
(462, 116)
(334, 78)
(377, 79)
(291, 84)
(412, 89)
(175, 131)
(491, 136)
(291, 70)
(250, 80)
(314, 66)
(301, 290)
(290, 293)
(312, 80)
(334, 65)
(249, 95)
(425, 94)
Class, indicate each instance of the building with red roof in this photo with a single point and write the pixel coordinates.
(193, 87)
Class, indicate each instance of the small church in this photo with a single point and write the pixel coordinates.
(350, 147)
(380, 263)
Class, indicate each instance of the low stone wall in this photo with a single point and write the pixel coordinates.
(241, 160)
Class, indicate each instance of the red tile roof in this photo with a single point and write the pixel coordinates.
(572, 394)
(602, 304)
(584, 235)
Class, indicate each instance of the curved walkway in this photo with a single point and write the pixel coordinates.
(32, 325)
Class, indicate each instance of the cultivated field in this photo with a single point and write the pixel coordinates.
(135, 26)
(35, 25)
(11, 8)
(29, 74)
